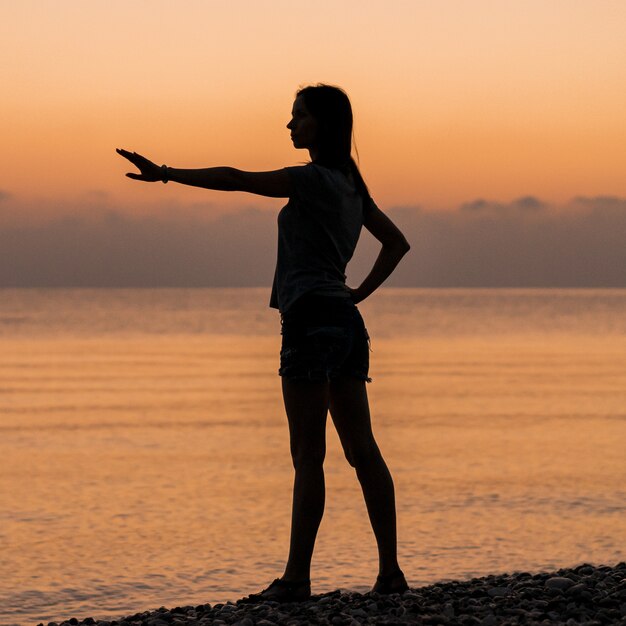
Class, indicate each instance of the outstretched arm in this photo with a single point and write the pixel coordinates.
(275, 184)
(395, 246)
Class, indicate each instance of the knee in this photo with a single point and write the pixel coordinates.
(308, 458)
(363, 456)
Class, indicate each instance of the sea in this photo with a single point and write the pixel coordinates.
(144, 453)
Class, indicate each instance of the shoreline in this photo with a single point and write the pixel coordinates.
(585, 594)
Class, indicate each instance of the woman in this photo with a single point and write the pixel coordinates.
(324, 358)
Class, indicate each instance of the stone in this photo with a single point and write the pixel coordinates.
(577, 589)
(498, 592)
(560, 583)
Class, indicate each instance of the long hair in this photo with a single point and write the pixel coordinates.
(330, 106)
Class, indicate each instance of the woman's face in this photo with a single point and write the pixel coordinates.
(303, 125)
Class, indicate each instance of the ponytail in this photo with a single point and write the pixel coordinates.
(359, 183)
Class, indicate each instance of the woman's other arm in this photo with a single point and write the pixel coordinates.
(394, 247)
(275, 184)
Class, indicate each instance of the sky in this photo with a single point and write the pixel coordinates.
(491, 129)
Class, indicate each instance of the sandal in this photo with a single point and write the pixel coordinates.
(281, 591)
(392, 583)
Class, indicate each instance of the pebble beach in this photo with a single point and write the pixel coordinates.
(584, 595)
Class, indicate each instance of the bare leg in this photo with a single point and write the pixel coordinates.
(349, 408)
(306, 404)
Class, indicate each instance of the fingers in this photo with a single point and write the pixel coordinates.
(149, 172)
(125, 153)
(133, 157)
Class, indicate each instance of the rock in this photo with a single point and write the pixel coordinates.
(577, 589)
(489, 620)
(498, 592)
(560, 583)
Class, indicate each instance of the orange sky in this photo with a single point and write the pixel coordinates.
(454, 100)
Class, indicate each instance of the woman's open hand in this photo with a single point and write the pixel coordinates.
(150, 172)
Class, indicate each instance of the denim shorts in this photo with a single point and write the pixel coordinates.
(323, 338)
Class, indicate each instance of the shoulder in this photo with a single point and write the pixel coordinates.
(317, 180)
(304, 173)
(309, 180)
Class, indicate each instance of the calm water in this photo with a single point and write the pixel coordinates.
(144, 458)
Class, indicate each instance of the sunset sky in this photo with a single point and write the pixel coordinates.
(454, 101)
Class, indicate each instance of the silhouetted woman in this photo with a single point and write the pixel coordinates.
(324, 358)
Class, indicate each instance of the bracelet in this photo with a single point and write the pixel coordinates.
(164, 174)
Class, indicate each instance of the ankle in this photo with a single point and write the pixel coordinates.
(389, 570)
(296, 577)
(394, 582)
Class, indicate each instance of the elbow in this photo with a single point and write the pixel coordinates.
(397, 248)
(401, 247)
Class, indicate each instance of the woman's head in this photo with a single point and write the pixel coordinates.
(322, 122)
(331, 113)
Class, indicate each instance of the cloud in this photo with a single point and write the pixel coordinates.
(524, 204)
(524, 243)
(529, 203)
(110, 249)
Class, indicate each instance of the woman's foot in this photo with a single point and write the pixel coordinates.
(281, 591)
(392, 583)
